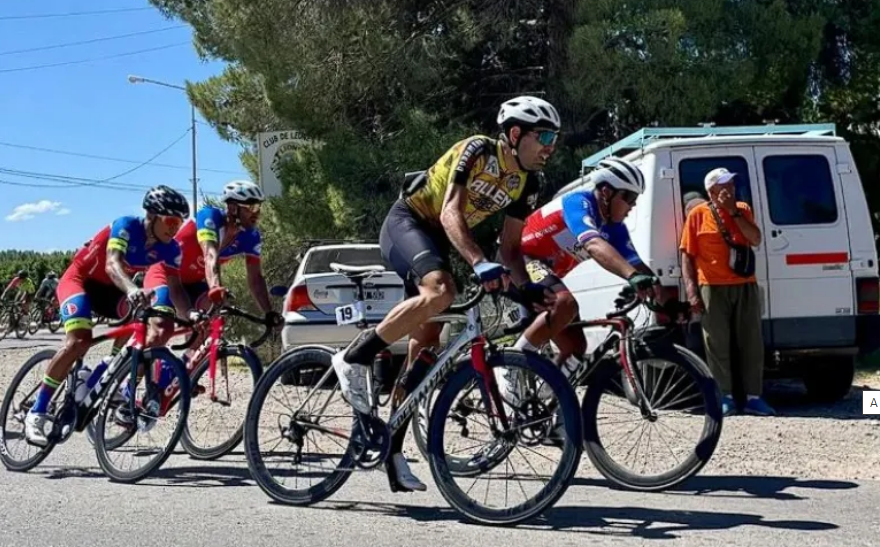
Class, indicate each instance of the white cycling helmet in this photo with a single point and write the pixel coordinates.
(242, 190)
(619, 174)
(530, 111)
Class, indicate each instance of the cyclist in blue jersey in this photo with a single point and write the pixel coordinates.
(582, 225)
(99, 280)
(214, 238)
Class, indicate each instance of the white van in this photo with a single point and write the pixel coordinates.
(817, 265)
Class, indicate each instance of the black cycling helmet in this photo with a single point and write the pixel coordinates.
(22, 273)
(164, 200)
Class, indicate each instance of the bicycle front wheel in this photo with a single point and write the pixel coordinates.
(682, 428)
(543, 438)
(215, 425)
(15, 452)
(151, 421)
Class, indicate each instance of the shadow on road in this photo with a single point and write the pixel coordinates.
(643, 522)
(201, 476)
(736, 486)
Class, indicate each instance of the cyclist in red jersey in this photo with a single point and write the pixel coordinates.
(99, 279)
(213, 238)
(584, 224)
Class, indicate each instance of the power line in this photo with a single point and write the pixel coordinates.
(119, 160)
(81, 61)
(70, 14)
(92, 182)
(159, 153)
(69, 183)
(92, 41)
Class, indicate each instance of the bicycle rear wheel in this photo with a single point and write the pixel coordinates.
(292, 434)
(687, 407)
(148, 425)
(535, 419)
(225, 416)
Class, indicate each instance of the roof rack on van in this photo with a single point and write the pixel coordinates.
(314, 242)
(649, 135)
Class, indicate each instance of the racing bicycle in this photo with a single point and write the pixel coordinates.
(122, 413)
(514, 426)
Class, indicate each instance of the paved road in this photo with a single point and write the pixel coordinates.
(739, 500)
(194, 503)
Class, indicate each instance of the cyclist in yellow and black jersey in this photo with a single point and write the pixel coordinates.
(492, 185)
(477, 177)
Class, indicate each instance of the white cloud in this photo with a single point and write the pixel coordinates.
(64, 211)
(27, 211)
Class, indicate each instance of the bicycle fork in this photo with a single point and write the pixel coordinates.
(635, 380)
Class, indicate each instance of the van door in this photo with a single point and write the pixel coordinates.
(806, 238)
(691, 167)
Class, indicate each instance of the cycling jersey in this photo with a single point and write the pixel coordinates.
(478, 163)
(209, 225)
(557, 232)
(47, 287)
(25, 286)
(88, 268)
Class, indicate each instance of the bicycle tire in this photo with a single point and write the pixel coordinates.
(701, 453)
(572, 451)
(55, 323)
(183, 400)
(21, 327)
(212, 453)
(33, 361)
(292, 365)
(37, 315)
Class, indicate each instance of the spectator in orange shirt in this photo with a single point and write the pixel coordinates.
(725, 290)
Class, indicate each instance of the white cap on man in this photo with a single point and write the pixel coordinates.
(718, 176)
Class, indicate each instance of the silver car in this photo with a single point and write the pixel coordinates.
(311, 301)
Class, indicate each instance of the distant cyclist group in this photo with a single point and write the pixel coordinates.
(179, 258)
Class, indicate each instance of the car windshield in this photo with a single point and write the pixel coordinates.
(319, 261)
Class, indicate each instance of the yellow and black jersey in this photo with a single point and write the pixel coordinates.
(478, 163)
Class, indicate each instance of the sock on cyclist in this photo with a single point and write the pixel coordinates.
(523, 344)
(365, 351)
(47, 389)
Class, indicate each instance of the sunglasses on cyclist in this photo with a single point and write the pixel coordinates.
(252, 207)
(629, 197)
(171, 221)
(547, 137)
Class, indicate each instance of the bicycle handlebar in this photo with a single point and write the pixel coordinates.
(267, 331)
(628, 300)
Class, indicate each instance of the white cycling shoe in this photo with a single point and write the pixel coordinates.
(35, 428)
(352, 382)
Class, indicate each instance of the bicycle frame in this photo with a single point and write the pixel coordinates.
(445, 365)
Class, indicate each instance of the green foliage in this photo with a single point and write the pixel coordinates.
(36, 264)
(384, 87)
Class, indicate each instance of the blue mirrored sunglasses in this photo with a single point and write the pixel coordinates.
(547, 137)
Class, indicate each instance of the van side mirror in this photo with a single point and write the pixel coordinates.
(278, 290)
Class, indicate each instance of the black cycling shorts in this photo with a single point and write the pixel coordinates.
(413, 248)
(542, 274)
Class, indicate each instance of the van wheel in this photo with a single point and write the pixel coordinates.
(829, 379)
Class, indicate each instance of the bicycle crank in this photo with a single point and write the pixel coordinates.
(370, 441)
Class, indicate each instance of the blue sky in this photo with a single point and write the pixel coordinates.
(91, 108)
